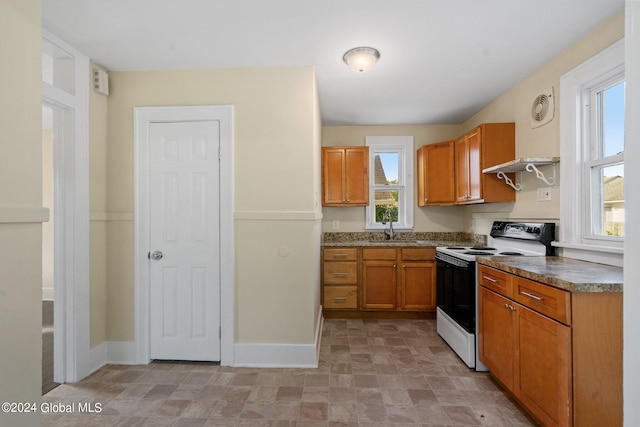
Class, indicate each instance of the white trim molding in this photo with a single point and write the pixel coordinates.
(281, 355)
(143, 117)
(71, 226)
(574, 214)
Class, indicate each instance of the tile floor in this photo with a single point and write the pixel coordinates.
(373, 373)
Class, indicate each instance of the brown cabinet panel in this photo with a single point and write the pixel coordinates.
(487, 145)
(379, 254)
(436, 174)
(496, 336)
(379, 285)
(340, 273)
(549, 301)
(496, 280)
(340, 254)
(417, 286)
(542, 380)
(345, 176)
(563, 374)
(340, 297)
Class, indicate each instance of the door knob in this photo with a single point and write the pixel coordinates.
(156, 255)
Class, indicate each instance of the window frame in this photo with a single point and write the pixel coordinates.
(578, 143)
(403, 145)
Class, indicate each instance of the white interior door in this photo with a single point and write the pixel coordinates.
(184, 240)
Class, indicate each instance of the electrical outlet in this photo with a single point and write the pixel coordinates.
(336, 224)
(544, 194)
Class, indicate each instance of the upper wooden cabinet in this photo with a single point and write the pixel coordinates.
(487, 145)
(345, 176)
(436, 174)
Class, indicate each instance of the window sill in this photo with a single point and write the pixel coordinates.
(601, 254)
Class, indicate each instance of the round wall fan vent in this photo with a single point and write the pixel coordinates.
(542, 108)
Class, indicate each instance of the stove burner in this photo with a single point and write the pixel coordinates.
(511, 253)
(483, 248)
(477, 253)
(458, 248)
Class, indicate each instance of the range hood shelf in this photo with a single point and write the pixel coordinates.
(529, 164)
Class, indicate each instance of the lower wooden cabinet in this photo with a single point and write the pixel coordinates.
(389, 280)
(529, 354)
(559, 353)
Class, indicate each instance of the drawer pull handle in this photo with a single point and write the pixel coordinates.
(339, 298)
(339, 255)
(489, 279)
(527, 294)
(340, 274)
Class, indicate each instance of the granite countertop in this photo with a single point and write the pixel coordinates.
(401, 239)
(563, 273)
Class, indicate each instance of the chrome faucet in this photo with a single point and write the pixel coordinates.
(387, 217)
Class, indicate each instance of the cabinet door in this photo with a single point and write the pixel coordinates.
(474, 147)
(357, 176)
(462, 170)
(333, 166)
(436, 174)
(379, 285)
(496, 336)
(345, 177)
(542, 380)
(418, 291)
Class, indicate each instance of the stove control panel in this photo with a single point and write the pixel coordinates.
(543, 232)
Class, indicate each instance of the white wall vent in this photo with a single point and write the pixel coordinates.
(542, 108)
(100, 81)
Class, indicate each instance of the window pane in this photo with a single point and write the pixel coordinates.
(57, 67)
(613, 120)
(609, 217)
(386, 199)
(386, 168)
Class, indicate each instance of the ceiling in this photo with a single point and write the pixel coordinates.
(441, 61)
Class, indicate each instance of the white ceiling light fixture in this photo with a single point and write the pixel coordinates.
(361, 59)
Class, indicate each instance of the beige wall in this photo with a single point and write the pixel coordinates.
(513, 106)
(20, 188)
(275, 192)
(433, 218)
(98, 113)
(544, 141)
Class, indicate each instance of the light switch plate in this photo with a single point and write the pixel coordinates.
(544, 194)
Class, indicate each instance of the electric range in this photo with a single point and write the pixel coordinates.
(457, 288)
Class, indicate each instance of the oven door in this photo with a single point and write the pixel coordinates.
(455, 290)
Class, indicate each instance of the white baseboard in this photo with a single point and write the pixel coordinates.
(115, 352)
(246, 355)
(281, 355)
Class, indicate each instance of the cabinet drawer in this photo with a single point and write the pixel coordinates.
(340, 273)
(496, 280)
(418, 254)
(547, 300)
(340, 254)
(388, 254)
(340, 297)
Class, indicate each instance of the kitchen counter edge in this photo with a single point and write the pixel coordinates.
(563, 273)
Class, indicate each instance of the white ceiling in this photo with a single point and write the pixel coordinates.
(441, 61)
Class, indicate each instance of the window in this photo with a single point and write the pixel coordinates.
(390, 181)
(592, 153)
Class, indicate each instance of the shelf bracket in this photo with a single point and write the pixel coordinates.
(508, 181)
(551, 181)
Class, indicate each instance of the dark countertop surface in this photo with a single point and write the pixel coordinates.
(563, 273)
(401, 239)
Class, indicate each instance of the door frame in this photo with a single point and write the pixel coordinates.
(71, 326)
(143, 118)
